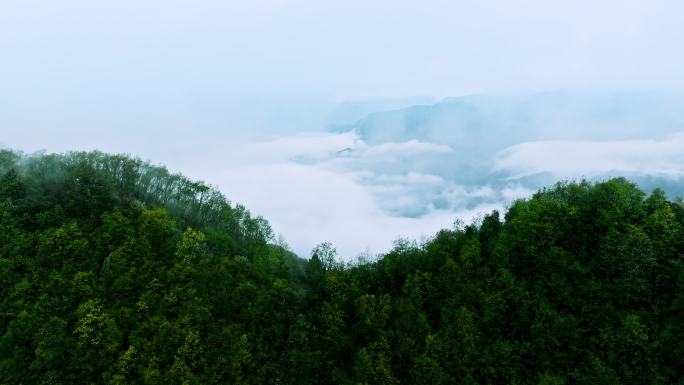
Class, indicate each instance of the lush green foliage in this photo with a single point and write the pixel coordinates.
(115, 271)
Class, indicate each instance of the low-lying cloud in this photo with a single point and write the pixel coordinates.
(574, 159)
(319, 187)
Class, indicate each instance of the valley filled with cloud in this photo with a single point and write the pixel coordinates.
(407, 173)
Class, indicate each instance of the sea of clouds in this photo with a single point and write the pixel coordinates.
(409, 172)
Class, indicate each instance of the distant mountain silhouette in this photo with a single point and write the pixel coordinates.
(493, 122)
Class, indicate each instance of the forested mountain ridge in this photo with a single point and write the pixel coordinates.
(116, 271)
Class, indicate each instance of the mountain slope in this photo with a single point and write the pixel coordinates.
(114, 271)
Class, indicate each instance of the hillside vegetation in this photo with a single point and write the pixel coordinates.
(115, 271)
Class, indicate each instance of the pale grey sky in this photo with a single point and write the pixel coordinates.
(207, 66)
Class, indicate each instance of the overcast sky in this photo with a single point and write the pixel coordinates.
(186, 82)
(236, 65)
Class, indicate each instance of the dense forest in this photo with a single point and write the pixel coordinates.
(115, 271)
